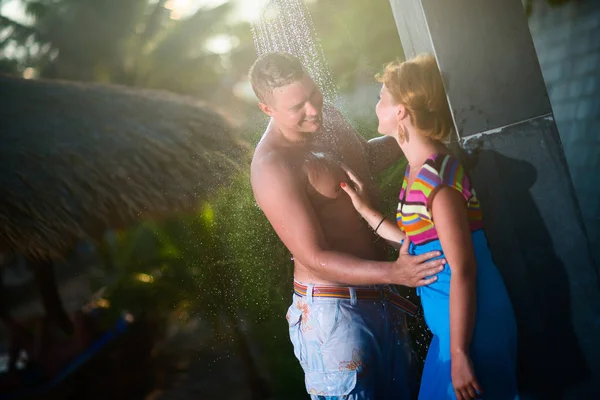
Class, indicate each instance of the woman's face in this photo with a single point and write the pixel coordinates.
(387, 113)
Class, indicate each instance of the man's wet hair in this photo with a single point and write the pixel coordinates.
(274, 70)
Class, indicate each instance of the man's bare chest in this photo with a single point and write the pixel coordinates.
(324, 175)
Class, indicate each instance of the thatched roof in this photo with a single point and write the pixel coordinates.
(76, 159)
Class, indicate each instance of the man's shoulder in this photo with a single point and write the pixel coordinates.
(269, 155)
(271, 163)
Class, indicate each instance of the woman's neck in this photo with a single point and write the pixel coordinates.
(418, 149)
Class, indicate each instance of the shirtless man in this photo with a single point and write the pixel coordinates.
(346, 324)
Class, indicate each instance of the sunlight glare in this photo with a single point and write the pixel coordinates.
(15, 10)
(221, 44)
(146, 278)
(185, 8)
(176, 5)
(250, 10)
(103, 303)
(29, 73)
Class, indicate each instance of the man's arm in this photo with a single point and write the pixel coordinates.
(383, 152)
(281, 194)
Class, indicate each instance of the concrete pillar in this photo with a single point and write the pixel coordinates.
(509, 142)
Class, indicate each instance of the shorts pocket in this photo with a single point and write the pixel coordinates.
(294, 319)
(334, 383)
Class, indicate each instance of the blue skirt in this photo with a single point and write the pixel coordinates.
(494, 342)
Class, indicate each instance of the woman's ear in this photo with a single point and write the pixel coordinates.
(401, 113)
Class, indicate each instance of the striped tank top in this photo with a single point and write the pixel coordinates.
(414, 211)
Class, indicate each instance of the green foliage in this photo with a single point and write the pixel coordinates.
(177, 265)
(287, 377)
(190, 68)
(262, 262)
(131, 42)
(358, 38)
(8, 66)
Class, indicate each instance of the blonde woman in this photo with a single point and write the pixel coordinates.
(473, 350)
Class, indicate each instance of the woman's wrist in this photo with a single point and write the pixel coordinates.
(379, 223)
(372, 216)
(459, 351)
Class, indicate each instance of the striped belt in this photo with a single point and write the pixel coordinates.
(342, 292)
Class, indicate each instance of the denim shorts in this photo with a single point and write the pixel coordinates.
(352, 348)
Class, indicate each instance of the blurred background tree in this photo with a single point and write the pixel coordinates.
(358, 39)
(148, 43)
(133, 42)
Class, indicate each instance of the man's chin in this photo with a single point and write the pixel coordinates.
(312, 126)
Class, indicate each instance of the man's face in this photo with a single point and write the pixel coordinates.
(297, 106)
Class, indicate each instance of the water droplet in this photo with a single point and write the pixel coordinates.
(286, 25)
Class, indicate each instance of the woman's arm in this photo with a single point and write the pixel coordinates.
(385, 228)
(449, 211)
(382, 226)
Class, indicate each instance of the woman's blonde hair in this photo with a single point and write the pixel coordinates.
(417, 84)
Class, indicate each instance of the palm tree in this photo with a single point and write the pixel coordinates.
(132, 42)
